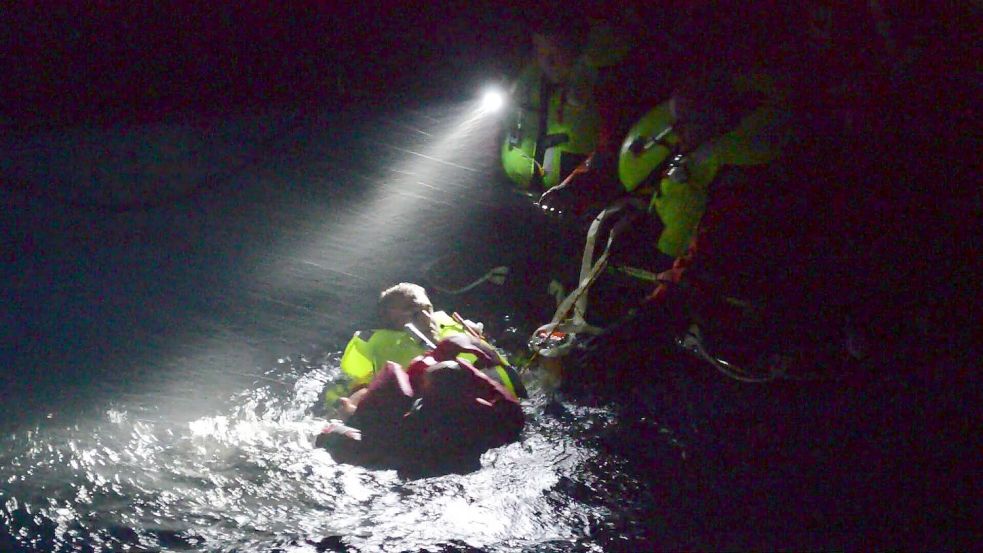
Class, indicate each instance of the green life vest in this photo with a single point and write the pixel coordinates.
(571, 129)
(646, 147)
(369, 350)
(679, 201)
(680, 205)
(571, 117)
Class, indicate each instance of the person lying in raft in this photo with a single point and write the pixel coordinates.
(409, 327)
(424, 390)
(436, 416)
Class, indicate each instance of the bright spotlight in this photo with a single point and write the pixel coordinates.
(492, 101)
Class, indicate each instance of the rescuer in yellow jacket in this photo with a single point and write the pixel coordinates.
(706, 127)
(554, 118)
(715, 137)
(673, 153)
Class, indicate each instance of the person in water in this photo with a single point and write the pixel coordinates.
(436, 416)
(426, 394)
(409, 327)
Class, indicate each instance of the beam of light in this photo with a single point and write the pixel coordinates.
(428, 164)
(425, 168)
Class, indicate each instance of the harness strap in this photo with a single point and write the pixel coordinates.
(562, 322)
(673, 275)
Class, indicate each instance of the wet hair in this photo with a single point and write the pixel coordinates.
(400, 292)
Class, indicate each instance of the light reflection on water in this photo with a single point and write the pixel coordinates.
(217, 458)
(249, 478)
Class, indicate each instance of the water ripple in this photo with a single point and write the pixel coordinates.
(249, 478)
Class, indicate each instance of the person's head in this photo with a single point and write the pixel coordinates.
(554, 57)
(407, 303)
(705, 106)
(557, 41)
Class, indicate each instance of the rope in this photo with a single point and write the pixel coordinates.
(495, 275)
(563, 325)
(693, 342)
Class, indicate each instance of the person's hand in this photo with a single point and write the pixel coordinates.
(592, 184)
(346, 408)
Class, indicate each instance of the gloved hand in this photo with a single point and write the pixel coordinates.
(593, 184)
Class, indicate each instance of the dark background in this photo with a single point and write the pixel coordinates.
(67, 63)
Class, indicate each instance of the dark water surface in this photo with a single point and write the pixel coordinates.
(176, 297)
